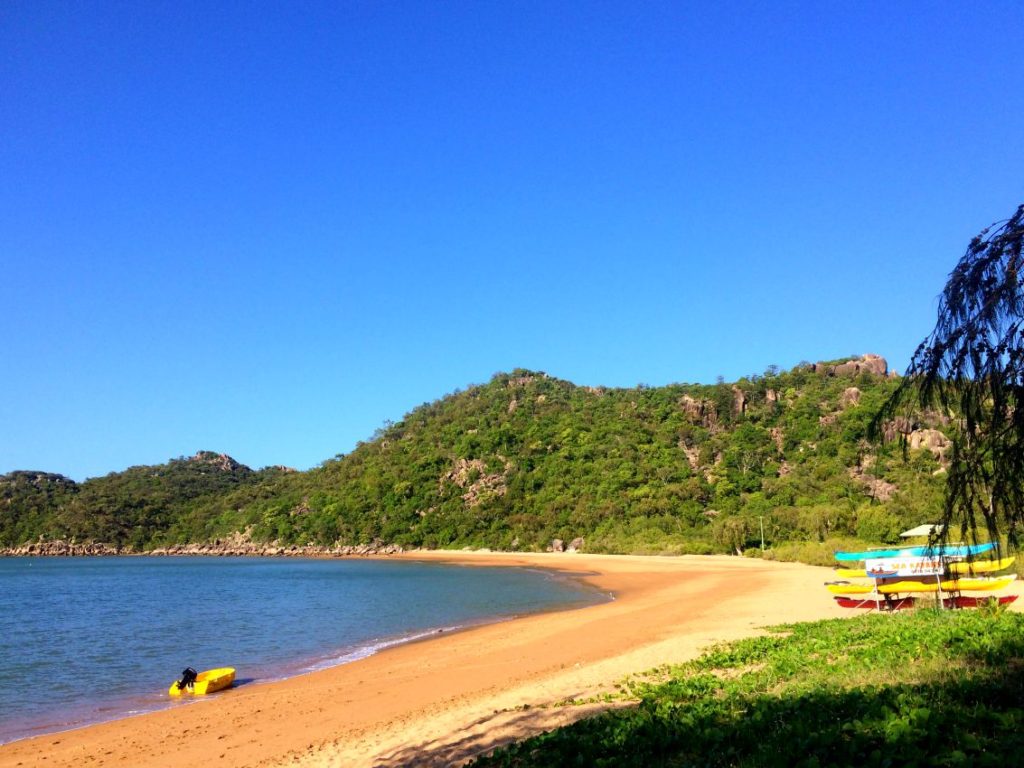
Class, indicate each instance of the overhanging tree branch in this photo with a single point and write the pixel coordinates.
(971, 369)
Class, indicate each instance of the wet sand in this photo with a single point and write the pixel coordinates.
(443, 700)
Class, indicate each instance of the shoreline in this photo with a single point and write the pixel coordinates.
(105, 708)
(444, 698)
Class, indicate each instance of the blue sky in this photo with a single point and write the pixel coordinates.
(264, 229)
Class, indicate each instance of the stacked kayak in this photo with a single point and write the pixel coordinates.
(962, 601)
(902, 586)
(956, 567)
(895, 575)
(940, 550)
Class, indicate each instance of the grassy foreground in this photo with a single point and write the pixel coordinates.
(923, 688)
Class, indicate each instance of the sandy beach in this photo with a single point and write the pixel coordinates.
(444, 700)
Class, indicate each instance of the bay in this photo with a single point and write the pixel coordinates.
(84, 640)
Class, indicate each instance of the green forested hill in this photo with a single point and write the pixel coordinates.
(131, 508)
(527, 458)
(28, 502)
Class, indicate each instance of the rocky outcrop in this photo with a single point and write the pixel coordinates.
(900, 426)
(932, 440)
(61, 548)
(881, 490)
(850, 397)
(692, 453)
(872, 364)
(471, 476)
(252, 549)
(693, 408)
(739, 401)
(525, 379)
(233, 546)
(219, 461)
(558, 545)
(700, 412)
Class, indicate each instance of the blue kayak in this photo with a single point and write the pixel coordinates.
(941, 550)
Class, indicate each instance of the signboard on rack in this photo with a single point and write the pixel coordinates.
(885, 567)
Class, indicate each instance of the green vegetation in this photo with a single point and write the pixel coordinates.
(28, 501)
(134, 508)
(526, 458)
(924, 688)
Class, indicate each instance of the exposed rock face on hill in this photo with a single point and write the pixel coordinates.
(471, 475)
(879, 489)
(850, 397)
(873, 364)
(700, 411)
(739, 402)
(932, 440)
(896, 428)
(218, 461)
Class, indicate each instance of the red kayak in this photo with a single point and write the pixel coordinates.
(974, 602)
(879, 605)
(908, 602)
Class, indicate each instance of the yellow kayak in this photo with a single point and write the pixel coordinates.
(901, 587)
(982, 566)
(210, 681)
(978, 566)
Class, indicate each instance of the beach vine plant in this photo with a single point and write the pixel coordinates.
(927, 688)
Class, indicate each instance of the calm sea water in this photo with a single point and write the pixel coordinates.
(89, 639)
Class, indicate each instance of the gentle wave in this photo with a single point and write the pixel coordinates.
(366, 651)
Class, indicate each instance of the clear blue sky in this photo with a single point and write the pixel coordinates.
(264, 229)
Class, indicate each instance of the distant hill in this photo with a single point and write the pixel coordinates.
(527, 459)
(28, 502)
(127, 509)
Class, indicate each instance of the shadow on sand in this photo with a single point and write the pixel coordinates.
(485, 735)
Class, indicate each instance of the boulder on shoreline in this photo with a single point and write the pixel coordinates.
(230, 548)
(61, 548)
